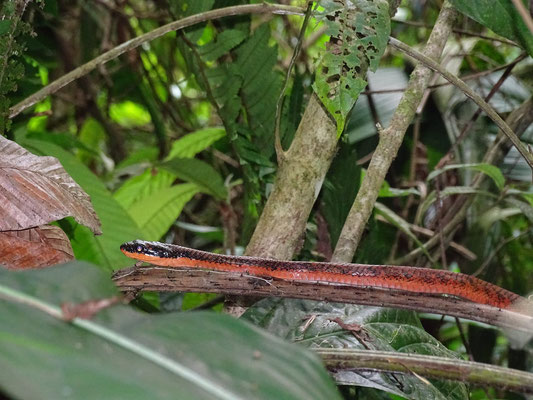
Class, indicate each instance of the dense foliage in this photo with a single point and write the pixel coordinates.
(174, 141)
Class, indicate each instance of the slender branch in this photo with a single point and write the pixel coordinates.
(428, 366)
(491, 113)
(519, 120)
(84, 69)
(195, 280)
(468, 77)
(391, 139)
(524, 13)
(279, 106)
(460, 31)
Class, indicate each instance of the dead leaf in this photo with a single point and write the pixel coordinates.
(34, 248)
(37, 190)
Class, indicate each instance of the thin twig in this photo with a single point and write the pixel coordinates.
(524, 13)
(84, 69)
(280, 153)
(460, 31)
(491, 113)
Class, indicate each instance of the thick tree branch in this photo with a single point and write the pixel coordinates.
(196, 280)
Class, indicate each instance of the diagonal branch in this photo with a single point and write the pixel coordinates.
(391, 139)
(84, 69)
(491, 113)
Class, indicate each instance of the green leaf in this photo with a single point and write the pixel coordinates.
(310, 324)
(141, 186)
(224, 42)
(401, 224)
(261, 86)
(156, 213)
(4, 26)
(490, 170)
(117, 225)
(124, 354)
(500, 16)
(195, 142)
(129, 114)
(339, 189)
(202, 174)
(359, 33)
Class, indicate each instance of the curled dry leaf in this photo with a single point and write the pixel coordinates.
(34, 248)
(37, 190)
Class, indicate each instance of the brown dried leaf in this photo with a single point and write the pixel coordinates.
(37, 190)
(34, 248)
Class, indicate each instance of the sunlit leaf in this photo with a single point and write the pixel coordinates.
(156, 213)
(195, 142)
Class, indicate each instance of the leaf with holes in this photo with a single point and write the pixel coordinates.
(359, 32)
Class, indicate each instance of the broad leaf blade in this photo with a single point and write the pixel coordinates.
(117, 225)
(122, 354)
(499, 15)
(193, 143)
(198, 172)
(156, 213)
(490, 170)
(35, 247)
(310, 324)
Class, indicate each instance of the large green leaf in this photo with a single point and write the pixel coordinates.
(195, 142)
(359, 32)
(141, 186)
(156, 213)
(499, 15)
(310, 324)
(196, 171)
(117, 225)
(123, 354)
(224, 42)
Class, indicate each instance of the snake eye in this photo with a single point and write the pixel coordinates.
(139, 249)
